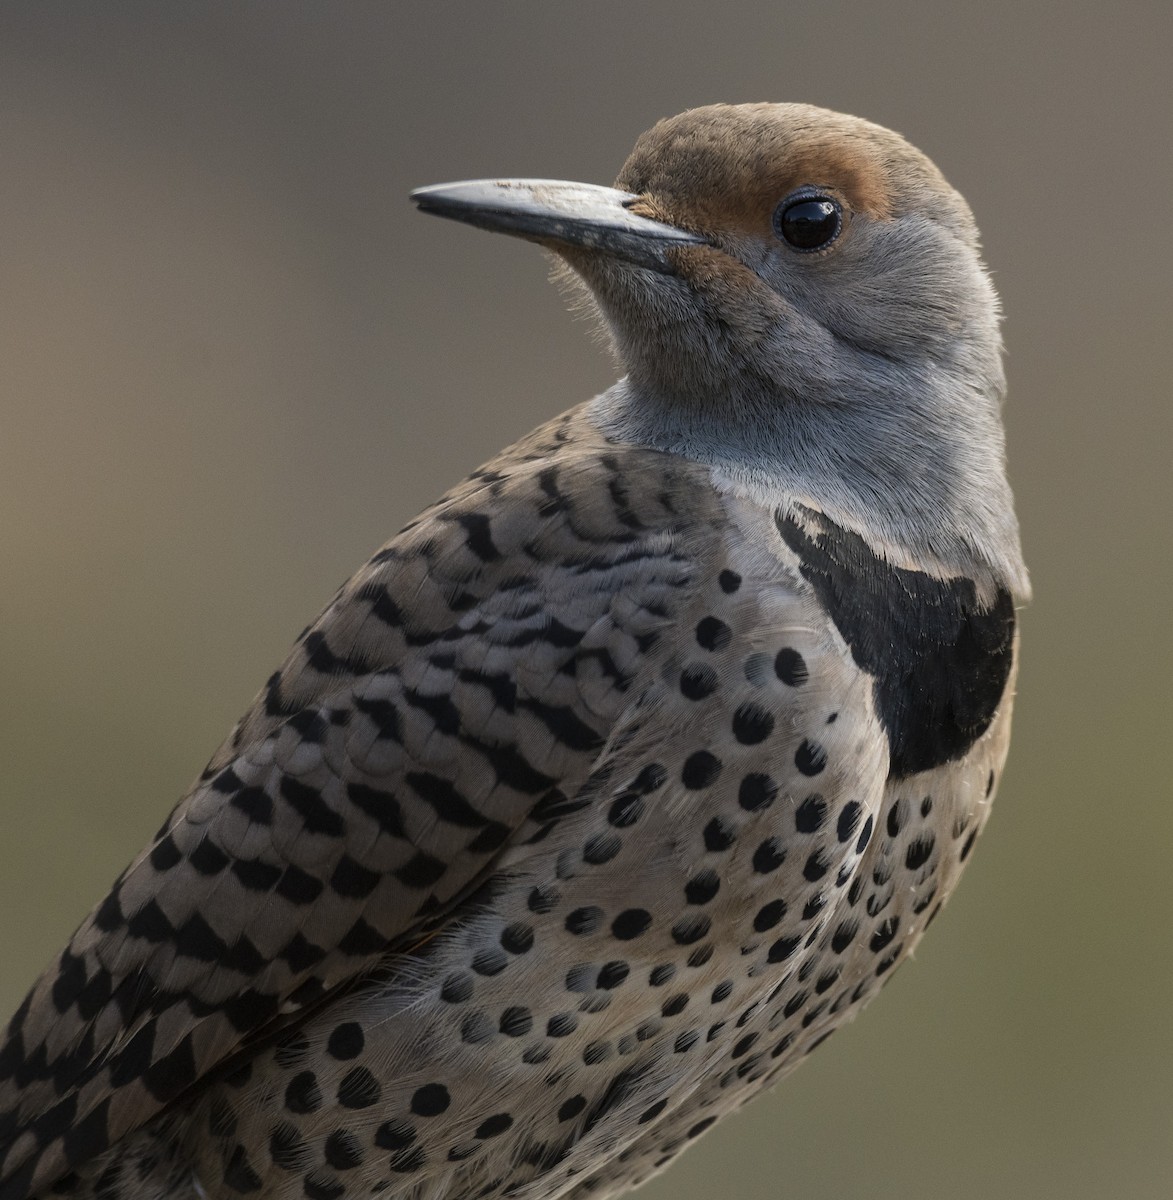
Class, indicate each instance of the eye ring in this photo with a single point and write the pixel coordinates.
(808, 220)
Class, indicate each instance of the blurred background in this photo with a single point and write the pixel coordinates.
(234, 361)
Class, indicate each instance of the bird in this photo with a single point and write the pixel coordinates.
(624, 774)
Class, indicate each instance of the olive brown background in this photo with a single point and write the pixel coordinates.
(234, 360)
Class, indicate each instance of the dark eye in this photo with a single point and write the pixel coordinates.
(808, 221)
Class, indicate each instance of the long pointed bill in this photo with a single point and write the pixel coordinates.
(550, 211)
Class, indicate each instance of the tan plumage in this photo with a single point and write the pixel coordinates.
(582, 744)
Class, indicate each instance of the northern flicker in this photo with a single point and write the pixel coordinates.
(626, 772)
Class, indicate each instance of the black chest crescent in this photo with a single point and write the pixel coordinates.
(940, 660)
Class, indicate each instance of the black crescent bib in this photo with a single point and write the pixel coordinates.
(940, 661)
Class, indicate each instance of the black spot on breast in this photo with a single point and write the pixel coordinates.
(939, 659)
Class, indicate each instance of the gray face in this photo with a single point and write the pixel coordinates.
(901, 288)
(860, 373)
(886, 304)
(897, 287)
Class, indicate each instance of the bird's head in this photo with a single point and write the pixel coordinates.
(797, 298)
